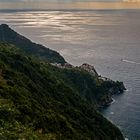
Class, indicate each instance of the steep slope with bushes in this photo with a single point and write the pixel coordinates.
(37, 102)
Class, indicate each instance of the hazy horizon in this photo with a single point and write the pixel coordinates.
(69, 4)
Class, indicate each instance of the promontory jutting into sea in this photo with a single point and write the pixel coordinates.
(92, 65)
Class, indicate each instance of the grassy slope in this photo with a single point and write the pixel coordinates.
(36, 103)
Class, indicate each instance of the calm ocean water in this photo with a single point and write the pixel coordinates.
(107, 39)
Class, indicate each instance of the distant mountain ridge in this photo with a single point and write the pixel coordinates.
(8, 35)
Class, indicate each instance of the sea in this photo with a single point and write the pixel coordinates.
(107, 39)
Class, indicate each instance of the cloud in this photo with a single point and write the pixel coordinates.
(59, 0)
(131, 0)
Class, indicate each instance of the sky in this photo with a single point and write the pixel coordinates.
(51, 0)
(68, 0)
(69, 4)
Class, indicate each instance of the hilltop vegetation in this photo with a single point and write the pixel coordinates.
(41, 101)
(8, 35)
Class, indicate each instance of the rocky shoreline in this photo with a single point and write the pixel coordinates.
(114, 87)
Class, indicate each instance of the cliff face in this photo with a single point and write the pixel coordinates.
(91, 86)
(89, 69)
(112, 86)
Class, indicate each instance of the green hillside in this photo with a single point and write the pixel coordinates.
(40, 101)
(8, 35)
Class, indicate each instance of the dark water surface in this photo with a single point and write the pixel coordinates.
(107, 39)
